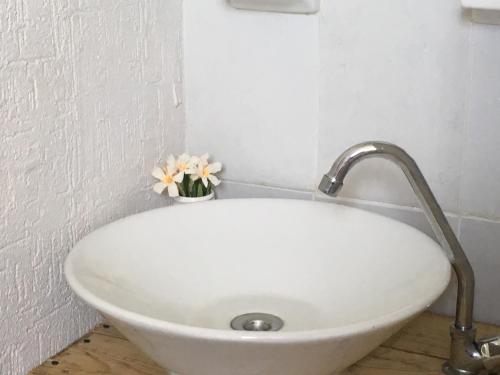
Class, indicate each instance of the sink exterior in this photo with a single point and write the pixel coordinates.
(207, 356)
(343, 280)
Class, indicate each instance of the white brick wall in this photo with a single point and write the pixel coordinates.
(86, 109)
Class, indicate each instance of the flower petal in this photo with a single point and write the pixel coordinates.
(204, 159)
(184, 158)
(214, 180)
(179, 177)
(173, 191)
(194, 177)
(158, 173)
(195, 160)
(214, 167)
(205, 181)
(171, 170)
(159, 187)
(171, 160)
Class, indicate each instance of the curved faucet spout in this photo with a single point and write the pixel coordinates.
(332, 183)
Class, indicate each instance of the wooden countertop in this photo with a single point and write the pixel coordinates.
(420, 348)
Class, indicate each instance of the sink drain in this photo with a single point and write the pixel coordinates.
(258, 322)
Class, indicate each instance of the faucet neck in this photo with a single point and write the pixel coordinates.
(334, 179)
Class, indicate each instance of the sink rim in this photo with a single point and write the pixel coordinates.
(189, 331)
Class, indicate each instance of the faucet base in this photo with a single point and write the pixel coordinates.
(448, 370)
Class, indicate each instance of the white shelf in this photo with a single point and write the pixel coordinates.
(482, 4)
(283, 6)
(483, 11)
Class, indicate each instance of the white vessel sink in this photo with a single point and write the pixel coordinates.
(343, 281)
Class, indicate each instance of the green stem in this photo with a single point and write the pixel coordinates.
(182, 192)
(185, 183)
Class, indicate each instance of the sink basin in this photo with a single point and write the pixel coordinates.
(340, 279)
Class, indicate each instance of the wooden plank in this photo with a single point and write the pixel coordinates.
(38, 371)
(108, 330)
(420, 348)
(387, 361)
(429, 335)
(99, 354)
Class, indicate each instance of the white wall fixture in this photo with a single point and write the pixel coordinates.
(482, 4)
(285, 6)
(484, 11)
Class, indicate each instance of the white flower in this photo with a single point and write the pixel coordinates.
(206, 171)
(184, 164)
(168, 180)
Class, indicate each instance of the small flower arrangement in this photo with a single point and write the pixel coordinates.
(187, 176)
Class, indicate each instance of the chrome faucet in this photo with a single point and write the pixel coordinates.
(468, 356)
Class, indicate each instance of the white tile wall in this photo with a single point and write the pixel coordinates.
(480, 192)
(409, 215)
(278, 97)
(230, 189)
(481, 241)
(394, 71)
(252, 91)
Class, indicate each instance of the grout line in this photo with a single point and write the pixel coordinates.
(480, 218)
(467, 113)
(318, 196)
(376, 204)
(318, 105)
(459, 229)
(268, 187)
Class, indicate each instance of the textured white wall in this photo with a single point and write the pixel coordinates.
(86, 110)
(283, 95)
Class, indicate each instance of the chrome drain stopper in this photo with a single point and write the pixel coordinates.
(259, 322)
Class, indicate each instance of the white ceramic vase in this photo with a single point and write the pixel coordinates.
(195, 199)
